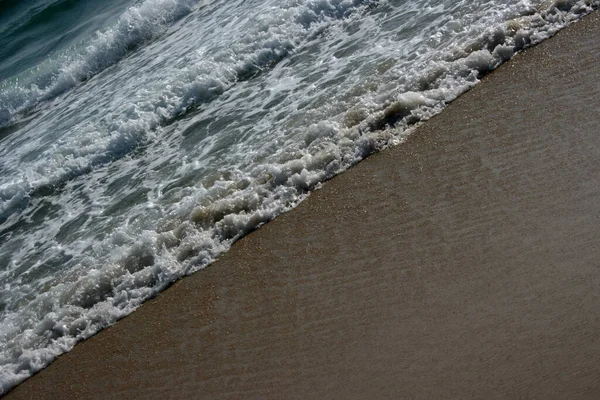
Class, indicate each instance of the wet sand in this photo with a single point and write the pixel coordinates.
(464, 263)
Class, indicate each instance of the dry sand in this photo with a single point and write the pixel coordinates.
(463, 263)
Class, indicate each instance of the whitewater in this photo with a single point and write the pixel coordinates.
(139, 140)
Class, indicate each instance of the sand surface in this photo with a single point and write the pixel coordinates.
(464, 263)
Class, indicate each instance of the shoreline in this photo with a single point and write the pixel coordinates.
(461, 263)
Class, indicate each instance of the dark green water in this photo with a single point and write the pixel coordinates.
(33, 30)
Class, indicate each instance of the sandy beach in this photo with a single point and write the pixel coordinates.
(464, 263)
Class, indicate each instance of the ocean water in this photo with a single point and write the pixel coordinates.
(140, 139)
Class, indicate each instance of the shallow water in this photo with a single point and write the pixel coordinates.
(140, 140)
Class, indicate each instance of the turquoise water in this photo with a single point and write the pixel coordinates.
(139, 140)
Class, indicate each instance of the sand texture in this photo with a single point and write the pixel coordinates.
(464, 263)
